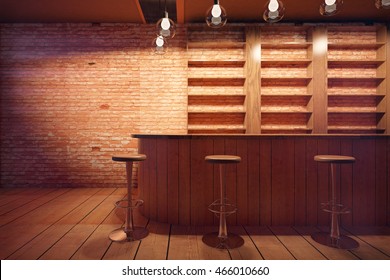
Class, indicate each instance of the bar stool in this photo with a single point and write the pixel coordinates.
(334, 238)
(222, 208)
(129, 232)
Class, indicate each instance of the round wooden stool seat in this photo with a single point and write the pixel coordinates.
(130, 157)
(222, 159)
(334, 159)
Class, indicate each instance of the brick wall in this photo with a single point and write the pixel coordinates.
(71, 95)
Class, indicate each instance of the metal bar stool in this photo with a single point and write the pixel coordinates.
(222, 208)
(129, 232)
(334, 238)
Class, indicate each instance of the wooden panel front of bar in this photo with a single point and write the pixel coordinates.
(277, 182)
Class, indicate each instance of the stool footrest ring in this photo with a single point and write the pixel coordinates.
(124, 203)
(223, 207)
(335, 208)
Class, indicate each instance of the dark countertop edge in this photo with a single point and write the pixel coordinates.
(242, 136)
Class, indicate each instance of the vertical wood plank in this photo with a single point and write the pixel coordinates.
(323, 182)
(334, 149)
(201, 181)
(320, 82)
(184, 181)
(242, 182)
(282, 181)
(300, 204)
(162, 180)
(252, 82)
(387, 99)
(231, 178)
(253, 182)
(364, 182)
(219, 149)
(152, 179)
(381, 163)
(346, 181)
(265, 182)
(388, 181)
(144, 183)
(312, 182)
(173, 181)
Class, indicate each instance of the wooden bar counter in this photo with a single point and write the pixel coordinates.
(276, 183)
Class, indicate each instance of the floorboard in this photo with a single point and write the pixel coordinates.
(62, 224)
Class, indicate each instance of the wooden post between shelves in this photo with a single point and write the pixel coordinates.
(252, 82)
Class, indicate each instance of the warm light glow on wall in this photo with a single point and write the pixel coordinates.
(321, 46)
(256, 53)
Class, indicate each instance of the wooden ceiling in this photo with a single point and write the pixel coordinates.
(182, 11)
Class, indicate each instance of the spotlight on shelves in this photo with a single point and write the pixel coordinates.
(330, 7)
(216, 15)
(274, 11)
(165, 26)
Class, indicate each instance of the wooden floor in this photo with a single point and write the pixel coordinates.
(65, 224)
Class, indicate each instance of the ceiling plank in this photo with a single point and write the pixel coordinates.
(180, 11)
(141, 13)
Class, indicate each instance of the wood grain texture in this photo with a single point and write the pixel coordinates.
(320, 83)
(252, 82)
(82, 234)
(276, 183)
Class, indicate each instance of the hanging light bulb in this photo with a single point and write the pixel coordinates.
(165, 26)
(330, 7)
(274, 11)
(216, 15)
(160, 45)
(382, 4)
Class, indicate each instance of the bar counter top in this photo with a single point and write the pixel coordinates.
(192, 136)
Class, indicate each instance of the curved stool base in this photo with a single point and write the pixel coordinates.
(344, 242)
(119, 235)
(232, 241)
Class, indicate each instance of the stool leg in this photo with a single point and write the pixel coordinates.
(334, 238)
(222, 239)
(334, 227)
(129, 232)
(222, 233)
(129, 226)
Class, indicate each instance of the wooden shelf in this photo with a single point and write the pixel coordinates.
(280, 110)
(215, 45)
(355, 98)
(287, 95)
(216, 129)
(356, 79)
(358, 110)
(355, 129)
(224, 63)
(216, 81)
(218, 94)
(285, 45)
(279, 81)
(353, 46)
(285, 129)
(285, 63)
(381, 96)
(355, 63)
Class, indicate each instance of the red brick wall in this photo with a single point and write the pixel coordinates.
(71, 95)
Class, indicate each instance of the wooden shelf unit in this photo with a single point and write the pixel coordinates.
(356, 81)
(310, 79)
(286, 79)
(215, 80)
